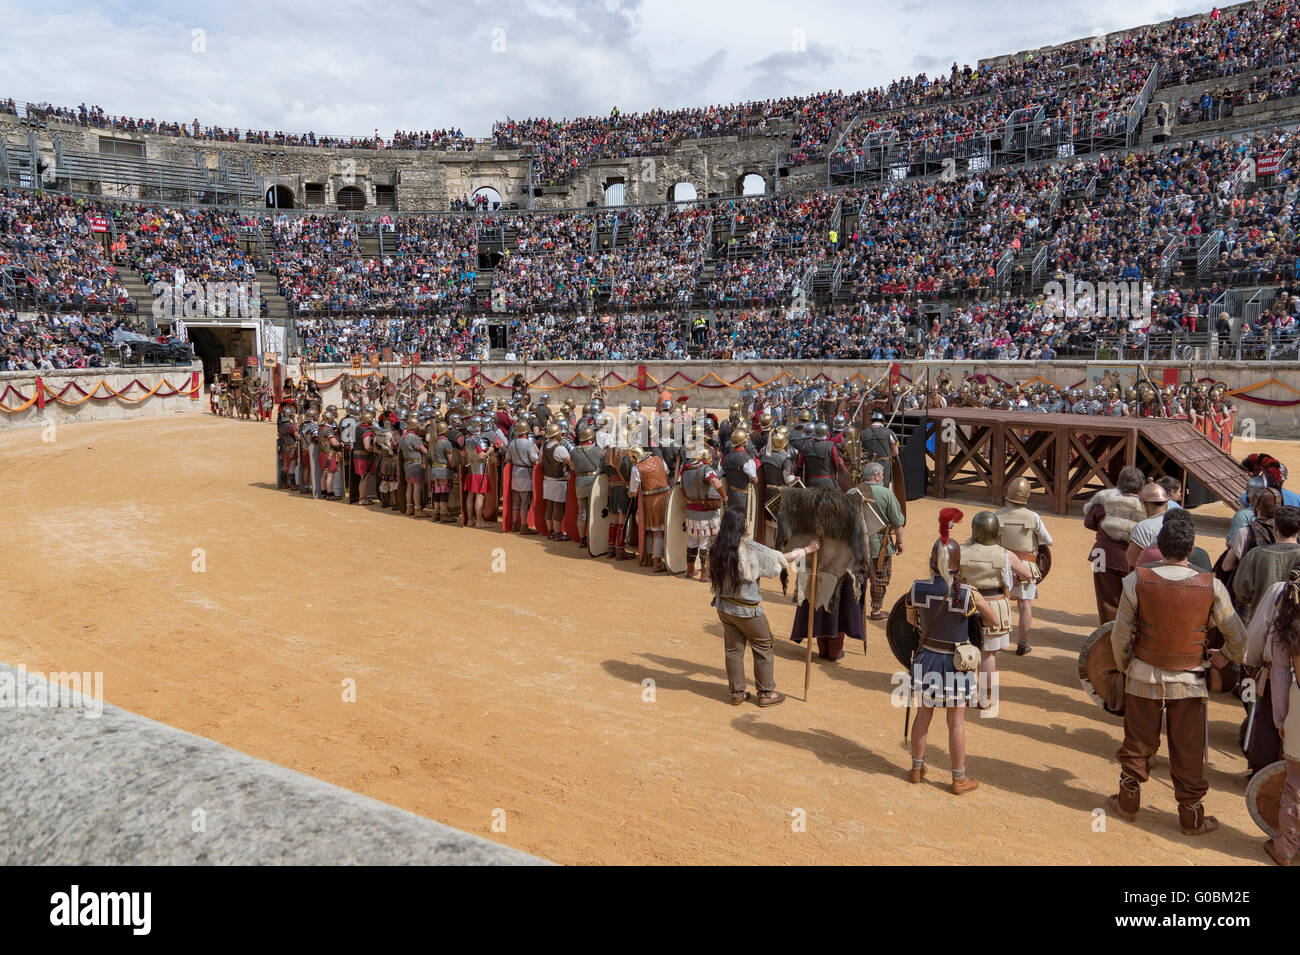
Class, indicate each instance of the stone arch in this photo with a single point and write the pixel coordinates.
(350, 198)
(279, 197)
(683, 193)
(491, 194)
(751, 184)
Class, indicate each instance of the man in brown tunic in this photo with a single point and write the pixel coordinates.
(1159, 644)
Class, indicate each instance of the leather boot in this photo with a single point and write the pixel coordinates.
(1128, 800)
(964, 785)
(1194, 820)
(690, 571)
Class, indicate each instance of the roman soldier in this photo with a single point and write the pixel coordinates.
(555, 483)
(306, 440)
(991, 569)
(885, 543)
(664, 436)
(586, 459)
(1159, 642)
(880, 445)
(286, 446)
(331, 456)
(1021, 531)
(1113, 513)
(648, 485)
(363, 456)
(522, 455)
(443, 457)
(739, 469)
(478, 484)
(636, 427)
(413, 450)
(618, 466)
(820, 461)
(388, 447)
(542, 410)
(941, 608)
(733, 421)
(703, 489)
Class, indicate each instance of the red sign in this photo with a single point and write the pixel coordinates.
(1268, 163)
(252, 361)
(98, 224)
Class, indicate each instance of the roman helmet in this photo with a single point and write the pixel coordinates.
(1153, 493)
(585, 433)
(780, 438)
(738, 437)
(765, 420)
(521, 428)
(821, 429)
(984, 528)
(553, 430)
(699, 452)
(636, 454)
(635, 405)
(1018, 491)
(412, 423)
(838, 423)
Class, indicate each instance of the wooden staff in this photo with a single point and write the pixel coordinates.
(808, 639)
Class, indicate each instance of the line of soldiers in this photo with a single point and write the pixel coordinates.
(454, 460)
(246, 396)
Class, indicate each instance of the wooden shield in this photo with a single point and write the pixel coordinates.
(507, 509)
(539, 506)
(1264, 796)
(1044, 561)
(598, 518)
(902, 636)
(1097, 664)
(675, 531)
(571, 510)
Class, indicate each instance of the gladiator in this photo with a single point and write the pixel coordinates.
(1021, 531)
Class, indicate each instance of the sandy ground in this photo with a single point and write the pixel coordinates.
(513, 679)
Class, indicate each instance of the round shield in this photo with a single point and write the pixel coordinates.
(1264, 796)
(902, 636)
(1097, 663)
(1044, 561)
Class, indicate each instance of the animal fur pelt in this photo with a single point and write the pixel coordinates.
(824, 513)
(1121, 512)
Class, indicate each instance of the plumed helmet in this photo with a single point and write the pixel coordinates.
(1153, 493)
(984, 528)
(738, 437)
(946, 552)
(780, 438)
(1018, 491)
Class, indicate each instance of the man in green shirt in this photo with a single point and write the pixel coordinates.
(889, 539)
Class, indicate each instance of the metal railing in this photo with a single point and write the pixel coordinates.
(1002, 274)
(1138, 110)
(1167, 259)
(1038, 269)
(1207, 256)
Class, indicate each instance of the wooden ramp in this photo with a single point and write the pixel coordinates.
(1068, 458)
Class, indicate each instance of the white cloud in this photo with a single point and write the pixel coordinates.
(385, 64)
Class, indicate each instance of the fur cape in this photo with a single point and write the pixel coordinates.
(822, 512)
(1121, 513)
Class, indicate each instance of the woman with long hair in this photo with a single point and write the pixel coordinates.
(1273, 640)
(736, 563)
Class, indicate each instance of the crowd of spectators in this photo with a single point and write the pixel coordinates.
(57, 340)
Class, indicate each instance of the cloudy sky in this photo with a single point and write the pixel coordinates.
(423, 64)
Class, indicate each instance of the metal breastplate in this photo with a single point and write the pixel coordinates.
(876, 445)
(696, 486)
(774, 468)
(733, 469)
(817, 458)
(1173, 616)
(982, 566)
(1018, 529)
(936, 616)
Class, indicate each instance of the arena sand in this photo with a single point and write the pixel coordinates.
(508, 685)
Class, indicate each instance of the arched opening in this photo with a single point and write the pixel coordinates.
(350, 198)
(486, 199)
(614, 192)
(752, 184)
(683, 193)
(209, 350)
(279, 197)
